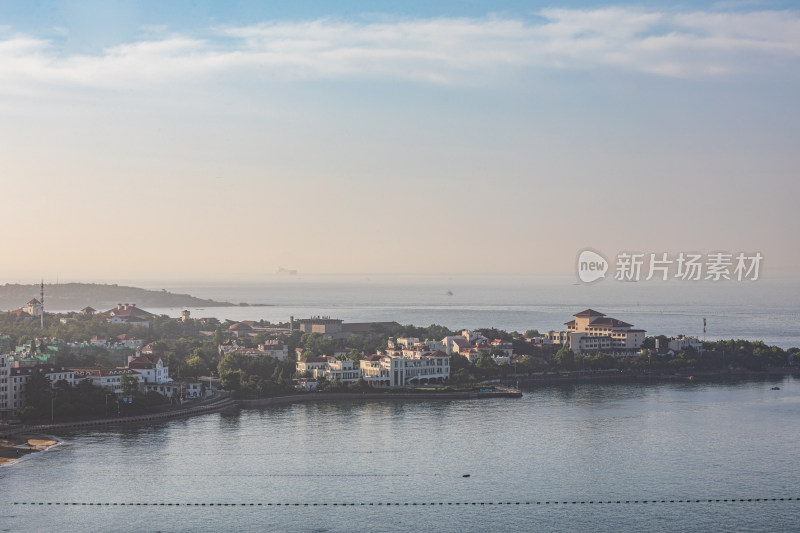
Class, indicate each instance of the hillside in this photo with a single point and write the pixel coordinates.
(75, 296)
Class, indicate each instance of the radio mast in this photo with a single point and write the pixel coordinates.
(41, 296)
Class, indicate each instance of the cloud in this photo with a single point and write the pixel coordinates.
(439, 50)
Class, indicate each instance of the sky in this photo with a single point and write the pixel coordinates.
(203, 140)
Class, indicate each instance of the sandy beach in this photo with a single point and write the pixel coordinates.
(15, 448)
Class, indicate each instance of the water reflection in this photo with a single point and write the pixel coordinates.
(586, 441)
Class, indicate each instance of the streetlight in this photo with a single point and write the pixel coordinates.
(52, 404)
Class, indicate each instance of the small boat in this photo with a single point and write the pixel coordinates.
(775, 388)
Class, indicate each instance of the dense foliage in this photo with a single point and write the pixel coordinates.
(61, 401)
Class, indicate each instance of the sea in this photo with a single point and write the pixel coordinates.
(689, 456)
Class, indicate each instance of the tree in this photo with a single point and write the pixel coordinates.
(437, 332)
(494, 333)
(485, 362)
(458, 362)
(360, 386)
(38, 392)
(565, 359)
(231, 379)
(462, 375)
(29, 412)
(128, 384)
(219, 338)
(195, 366)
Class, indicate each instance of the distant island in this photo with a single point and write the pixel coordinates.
(73, 296)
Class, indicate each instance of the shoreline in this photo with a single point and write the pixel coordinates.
(623, 377)
(226, 403)
(359, 396)
(18, 448)
(223, 403)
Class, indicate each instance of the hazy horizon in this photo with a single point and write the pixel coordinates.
(207, 141)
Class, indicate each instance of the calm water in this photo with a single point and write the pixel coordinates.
(766, 310)
(582, 442)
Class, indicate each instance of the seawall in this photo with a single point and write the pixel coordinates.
(227, 403)
(215, 406)
(355, 396)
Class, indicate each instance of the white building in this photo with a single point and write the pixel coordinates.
(271, 348)
(313, 365)
(105, 378)
(274, 348)
(375, 370)
(152, 368)
(345, 371)
(129, 341)
(504, 346)
(182, 390)
(331, 368)
(411, 347)
(392, 371)
(677, 344)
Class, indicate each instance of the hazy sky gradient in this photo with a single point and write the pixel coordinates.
(203, 141)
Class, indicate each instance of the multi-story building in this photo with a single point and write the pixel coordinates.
(313, 365)
(5, 371)
(270, 348)
(411, 347)
(105, 378)
(18, 379)
(375, 370)
(384, 370)
(275, 348)
(331, 368)
(503, 346)
(392, 371)
(590, 331)
(151, 368)
(345, 371)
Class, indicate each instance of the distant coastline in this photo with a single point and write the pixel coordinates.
(65, 296)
